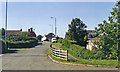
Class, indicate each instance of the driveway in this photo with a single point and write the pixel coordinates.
(36, 59)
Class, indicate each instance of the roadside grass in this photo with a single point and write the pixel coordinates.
(17, 49)
(13, 50)
(57, 59)
(58, 44)
(98, 62)
(89, 61)
(48, 52)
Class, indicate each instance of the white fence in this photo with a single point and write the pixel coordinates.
(59, 53)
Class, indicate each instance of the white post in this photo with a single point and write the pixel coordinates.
(67, 54)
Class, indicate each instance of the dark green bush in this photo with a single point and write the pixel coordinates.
(80, 51)
(30, 42)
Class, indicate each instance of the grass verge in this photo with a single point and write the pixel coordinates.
(13, 50)
(58, 44)
(17, 49)
(89, 61)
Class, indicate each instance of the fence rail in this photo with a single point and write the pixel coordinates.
(59, 53)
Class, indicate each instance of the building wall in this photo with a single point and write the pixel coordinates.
(44, 38)
(90, 44)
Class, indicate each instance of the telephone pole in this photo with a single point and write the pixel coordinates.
(6, 28)
(55, 27)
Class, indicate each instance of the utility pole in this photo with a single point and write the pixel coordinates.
(55, 27)
(6, 28)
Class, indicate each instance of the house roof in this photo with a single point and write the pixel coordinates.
(32, 34)
(91, 31)
(94, 39)
(13, 32)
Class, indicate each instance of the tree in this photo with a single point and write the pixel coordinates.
(39, 37)
(2, 32)
(77, 31)
(110, 33)
(51, 34)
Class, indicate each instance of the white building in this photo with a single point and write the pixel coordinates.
(91, 43)
(44, 38)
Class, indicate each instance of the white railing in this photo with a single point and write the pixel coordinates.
(59, 53)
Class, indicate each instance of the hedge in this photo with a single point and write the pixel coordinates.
(30, 42)
(2, 48)
(80, 51)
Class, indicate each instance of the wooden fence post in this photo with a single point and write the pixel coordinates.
(67, 55)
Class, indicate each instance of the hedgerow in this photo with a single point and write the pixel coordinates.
(30, 42)
(81, 51)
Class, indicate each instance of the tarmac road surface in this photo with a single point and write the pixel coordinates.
(36, 59)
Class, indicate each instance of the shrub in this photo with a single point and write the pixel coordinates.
(30, 42)
(39, 37)
(33, 38)
(80, 51)
(99, 55)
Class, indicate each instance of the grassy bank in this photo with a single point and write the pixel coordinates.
(88, 61)
(57, 59)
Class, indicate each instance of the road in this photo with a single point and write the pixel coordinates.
(36, 59)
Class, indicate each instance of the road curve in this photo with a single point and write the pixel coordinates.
(36, 59)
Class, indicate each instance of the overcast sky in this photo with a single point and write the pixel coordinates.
(37, 15)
